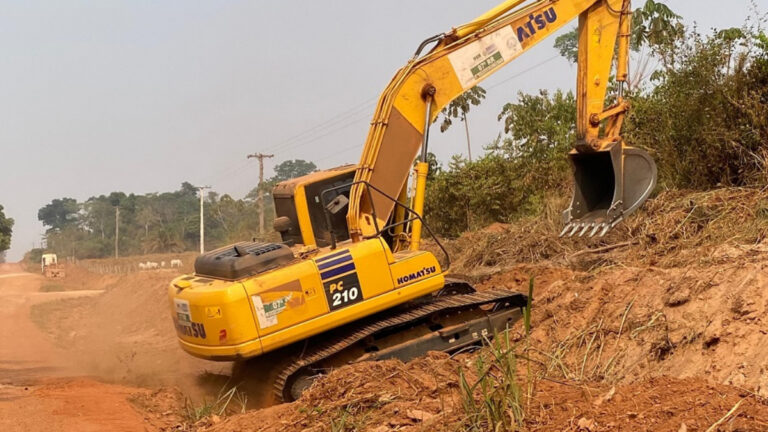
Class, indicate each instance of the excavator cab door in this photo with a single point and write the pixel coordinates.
(608, 185)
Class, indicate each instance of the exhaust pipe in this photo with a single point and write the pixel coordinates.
(608, 185)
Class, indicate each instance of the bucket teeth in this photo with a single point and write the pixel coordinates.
(590, 229)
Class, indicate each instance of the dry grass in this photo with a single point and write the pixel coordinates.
(674, 228)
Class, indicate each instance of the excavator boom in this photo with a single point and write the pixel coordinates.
(347, 286)
(611, 179)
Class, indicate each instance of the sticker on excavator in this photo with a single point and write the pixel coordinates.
(184, 324)
(343, 291)
(472, 62)
(275, 307)
(183, 316)
(266, 313)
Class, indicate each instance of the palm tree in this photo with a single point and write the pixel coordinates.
(459, 107)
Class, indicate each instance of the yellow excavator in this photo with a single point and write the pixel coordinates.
(349, 281)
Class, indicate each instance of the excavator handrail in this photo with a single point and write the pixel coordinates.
(378, 232)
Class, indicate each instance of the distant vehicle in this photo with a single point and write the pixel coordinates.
(49, 265)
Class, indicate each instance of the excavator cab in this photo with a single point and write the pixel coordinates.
(608, 185)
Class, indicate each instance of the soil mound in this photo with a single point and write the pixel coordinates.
(675, 228)
(657, 326)
(125, 335)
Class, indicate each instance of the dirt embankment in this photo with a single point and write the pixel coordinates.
(658, 326)
(37, 391)
(619, 349)
(125, 335)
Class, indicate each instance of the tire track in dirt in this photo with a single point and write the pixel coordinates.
(35, 391)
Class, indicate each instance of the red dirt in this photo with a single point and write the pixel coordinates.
(661, 332)
(681, 346)
(29, 400)
(72, 404)
(423, 395)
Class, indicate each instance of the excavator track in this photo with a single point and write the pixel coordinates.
(452, 302)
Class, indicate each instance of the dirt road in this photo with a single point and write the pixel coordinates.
(37, 391)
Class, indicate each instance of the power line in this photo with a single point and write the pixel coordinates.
(524, 71)
(345, 120)
(326, 123)
(323, 135)
(342, 151)
(299, 143)
(232, 168)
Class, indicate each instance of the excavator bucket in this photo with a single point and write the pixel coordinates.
(608, 185)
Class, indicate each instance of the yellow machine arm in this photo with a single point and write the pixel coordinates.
(611, 179)
(329, 303)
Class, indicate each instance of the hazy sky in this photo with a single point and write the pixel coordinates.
(139, 96)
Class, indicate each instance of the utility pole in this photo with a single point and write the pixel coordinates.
(261, 157)
(117, 231)
(202, 221)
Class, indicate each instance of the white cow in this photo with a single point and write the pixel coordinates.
(142, 266)
(175, 263)
(162, 264)
(152, 265)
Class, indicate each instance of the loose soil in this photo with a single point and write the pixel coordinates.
(657, 327)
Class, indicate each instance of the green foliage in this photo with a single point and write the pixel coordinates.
(459, 107)
(291, 169)
(541, 129)
(567, 44)
(151, 223)
(706, 120)
(285, 170)
(159, 222)
(6, 229)
(59, 214)
(32, 258)
(654, 24)
(513, 177)
(500, 406)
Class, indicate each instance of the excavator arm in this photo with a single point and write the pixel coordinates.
(310, 309)
(611, 179)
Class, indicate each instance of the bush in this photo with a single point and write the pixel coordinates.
(706, 120)
(516, 173)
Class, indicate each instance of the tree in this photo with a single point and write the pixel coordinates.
(459, 107)
(567, 44)
(513, 178)
(653, 24)
(705, 121)
(291, 169)
(59, 214)
(6, 229)
(285, 170)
